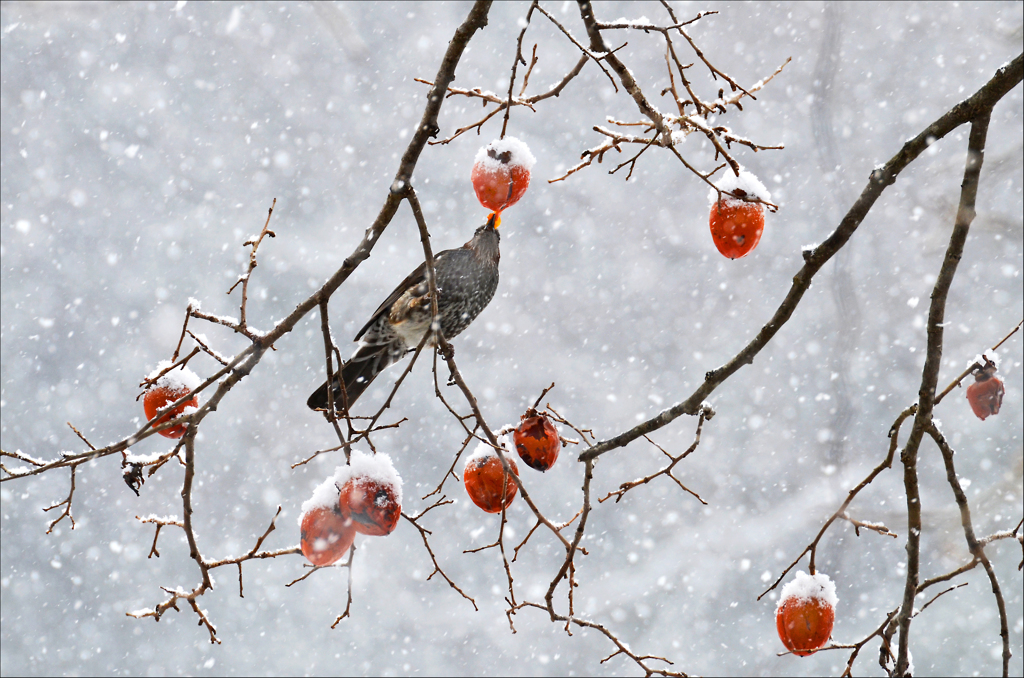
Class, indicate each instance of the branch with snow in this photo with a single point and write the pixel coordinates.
(658, 129)
(240, 366)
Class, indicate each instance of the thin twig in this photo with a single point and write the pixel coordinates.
(66, 504)
(515, 64)
(426, 543)
(894, 432)
(706, 413)
(245, 277)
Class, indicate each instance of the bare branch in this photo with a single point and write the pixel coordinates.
(348, 601)
(426, 543)
(987, 96)
(930, 377)
(245, 277)
(894, 432)
(586, 52)
(976, 548)
(515, 64)
(706, 413)
(66, 504)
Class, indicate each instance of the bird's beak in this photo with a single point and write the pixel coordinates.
(494, 220)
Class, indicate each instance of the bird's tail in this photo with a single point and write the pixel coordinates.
(356, 374)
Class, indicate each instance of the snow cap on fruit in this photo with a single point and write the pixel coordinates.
(732, 184)
(324, 496)
(508, 152)
(484, 450)
(810, 586)
(180, 379)
(986, 359)
(376, 466)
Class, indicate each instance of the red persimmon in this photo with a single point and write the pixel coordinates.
(371, 505)
(986, 393)
(805, 613)
(161, 396)
(501, 173)
(736, 226)
(326, 535)
(486, 481)
(537, 441)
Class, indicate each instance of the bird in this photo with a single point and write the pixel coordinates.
(467, 278)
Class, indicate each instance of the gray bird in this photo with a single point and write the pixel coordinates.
(466, 280)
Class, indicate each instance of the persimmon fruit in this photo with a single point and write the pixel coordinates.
(161, 396)
(371, 505)
(986, 393)
(537, 441)
(736, 225)
(487, 483)
(326, 535)
(806, 613)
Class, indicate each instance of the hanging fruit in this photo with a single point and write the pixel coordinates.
(537, 441)
(806, 612)
(501, 173)
(737, 216)
(488, 485)
(986, 393)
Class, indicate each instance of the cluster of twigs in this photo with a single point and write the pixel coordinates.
(695, 114)
(659, 129)
(566, 572)
(205, 565)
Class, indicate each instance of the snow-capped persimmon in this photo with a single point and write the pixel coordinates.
(806, 612)
(737, 213)
(986, 393)
(501, 173)
(362, 496)
(488, 485)
(537, 441)
(736, 227)
(167, 389)
(371, 505)
(326, 535)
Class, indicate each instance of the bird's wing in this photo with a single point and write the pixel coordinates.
(415, 278)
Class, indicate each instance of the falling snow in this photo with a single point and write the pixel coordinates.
(142, 143)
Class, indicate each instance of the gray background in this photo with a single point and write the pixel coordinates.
(160, 142)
